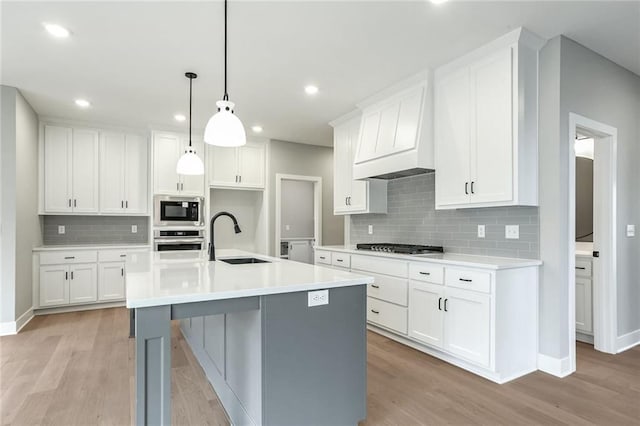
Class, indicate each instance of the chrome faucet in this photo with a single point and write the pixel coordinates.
(236, 228)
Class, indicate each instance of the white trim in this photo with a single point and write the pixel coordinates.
(317, 208)
(605, 271)
(628, 341)
(78, 308)
(13, 327)
(559, 367)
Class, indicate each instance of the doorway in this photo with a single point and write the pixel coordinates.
(600, 267)
(298, 221)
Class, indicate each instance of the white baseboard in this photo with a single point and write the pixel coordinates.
(628, 341)
(13, 327)
(76, 308)
(559, 367)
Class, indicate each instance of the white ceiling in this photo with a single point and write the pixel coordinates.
(129, 58)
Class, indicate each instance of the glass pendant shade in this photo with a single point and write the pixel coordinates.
(190, 164)
(224, 127)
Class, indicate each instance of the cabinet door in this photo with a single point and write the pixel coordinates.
(85, 177)
(426, 304)
(192, 184)
(223, 166)
(111, 281)
(584, 307)
(136, 177)
(467, 328)
(54, 285)
(251, 165)
(492, 124)
(165, 158)
(112, 176)
(358, 189)
(409, 118)
(83, 283)
(57, 169)
(452, 139)
(343, 168)
(368, 138)
(387, 129)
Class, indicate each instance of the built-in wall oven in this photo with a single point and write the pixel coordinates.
(178, 239)
(178, 211)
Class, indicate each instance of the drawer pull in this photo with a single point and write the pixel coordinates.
(340, 260)
(581, 267)
(123, 255)
(375, 286)
(69, 257)
(375, 312)
(322, 258)
(425, 273)
(466, 280)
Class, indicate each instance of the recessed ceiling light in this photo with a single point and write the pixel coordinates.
(438, 1)
(57, 30)
(256, 129)
(311, 89)
(83, 103)
(179, 117)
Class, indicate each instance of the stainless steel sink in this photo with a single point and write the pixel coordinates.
(243, 260)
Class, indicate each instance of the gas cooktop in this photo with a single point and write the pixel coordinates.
(400, 248)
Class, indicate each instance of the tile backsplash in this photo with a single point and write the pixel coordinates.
(95, 230)
(412, 219)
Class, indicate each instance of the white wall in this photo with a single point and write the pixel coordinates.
(296, 209)
(576, 79)
(246, 207)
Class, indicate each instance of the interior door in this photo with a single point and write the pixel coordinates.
(136, 174)
(426, 313)
(83, 282)
(54, 285)
(85, 177)
(112, 175)
(193, 184)
(452, 139)
(223, 166)
(111, 281)
(165, 159)
(251, 165)
(492, 131)
(57, 169)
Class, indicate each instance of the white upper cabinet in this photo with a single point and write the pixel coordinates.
(352, 196)
(396, 131)
(123, 173)
(70, 170)
(167, 149)
(242, 167)
(486, 147)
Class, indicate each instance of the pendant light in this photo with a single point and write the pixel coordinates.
(190, 163)
(224, 127)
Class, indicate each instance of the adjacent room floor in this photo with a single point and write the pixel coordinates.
(77, 369)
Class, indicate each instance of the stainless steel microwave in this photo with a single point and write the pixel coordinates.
(178, 211)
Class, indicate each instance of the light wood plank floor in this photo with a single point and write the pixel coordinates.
(77, 369)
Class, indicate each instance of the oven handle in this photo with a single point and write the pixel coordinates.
(178, 240)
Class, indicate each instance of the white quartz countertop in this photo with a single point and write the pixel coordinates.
(92, 247)
(163, 278)
(468, 260)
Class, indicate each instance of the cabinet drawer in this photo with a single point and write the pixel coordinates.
(389, 289)
(322, 257)
(583, 268)
(342, 260)
(468, 279)
(62, 257)
(387, 315)
(397, 268)
(112, 255)
(426, 272)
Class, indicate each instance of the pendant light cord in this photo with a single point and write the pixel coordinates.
(190, 102)
(226, 95)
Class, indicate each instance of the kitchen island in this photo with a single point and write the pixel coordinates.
(282, 343)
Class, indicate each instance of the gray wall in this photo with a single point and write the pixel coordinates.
(412, 219)
(584, 199)
(95, 230)
(576, 79)
(21, 229)
(296, 209)
(306, 160)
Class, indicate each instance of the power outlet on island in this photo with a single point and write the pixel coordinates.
(512, 232)
(317, 298)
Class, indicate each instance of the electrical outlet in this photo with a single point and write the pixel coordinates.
(631, 230)
(319, 297)
(370, 230)
(287, 228)
(61, 229)
(480, 231)
(512, 232)
(134, 229)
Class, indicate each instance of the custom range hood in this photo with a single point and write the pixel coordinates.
(396, 131)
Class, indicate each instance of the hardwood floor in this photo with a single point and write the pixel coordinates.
(77, 369)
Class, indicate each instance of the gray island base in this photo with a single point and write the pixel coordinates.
(272, 359)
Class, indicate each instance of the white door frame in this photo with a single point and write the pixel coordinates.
(317, 207)
(605, 311)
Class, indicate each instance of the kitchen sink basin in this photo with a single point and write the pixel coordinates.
(243, 260)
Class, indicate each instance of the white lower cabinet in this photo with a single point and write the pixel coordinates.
(111, 281)
(426, 316)
(54, 285)
(584, 297)
(387, 315)
(83, 283)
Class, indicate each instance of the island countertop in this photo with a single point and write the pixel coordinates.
(164, 278)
